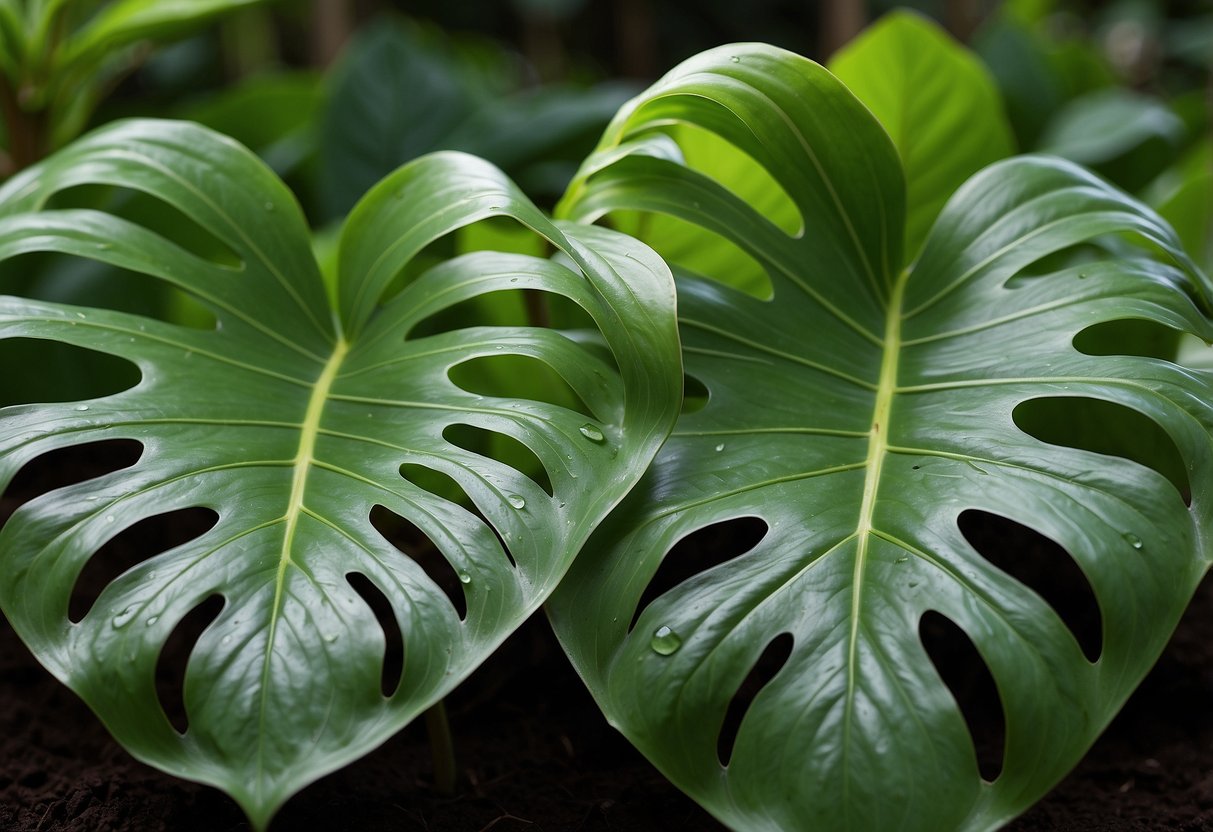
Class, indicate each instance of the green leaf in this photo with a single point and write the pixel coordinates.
(273, 115)
(936, 101)
(392, 98)
(291, 420)
(1127, 137)
(125, 22)
(857, 414)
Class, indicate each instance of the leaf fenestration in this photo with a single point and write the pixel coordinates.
(291, 421)
(859, 413)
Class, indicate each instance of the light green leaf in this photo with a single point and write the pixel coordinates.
(936, 101)
(857, 415)
(124, 22)
(291, 420)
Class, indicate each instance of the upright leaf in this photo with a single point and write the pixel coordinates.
(291, 421)
(857, 415)
(938, 104)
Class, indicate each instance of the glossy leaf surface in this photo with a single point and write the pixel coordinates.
(855, 417)
(291, 421)
(937, 103)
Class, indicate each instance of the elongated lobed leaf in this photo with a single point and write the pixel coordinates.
(858, 414)
(291, 421)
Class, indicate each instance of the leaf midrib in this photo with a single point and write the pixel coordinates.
(878, 449)
(305, 457)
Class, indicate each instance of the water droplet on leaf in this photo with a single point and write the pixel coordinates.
(1133, 540)
(123, 618)
(465, 578)
(720, 447)
(516, 501)
(109, 518)
(81, 407)
(153, 620)
(591, 432)
(665, 642)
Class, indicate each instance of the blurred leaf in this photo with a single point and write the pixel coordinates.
(391, 99)
(1184, 197)
(125, 22)
(937, 103)
(398, 95)
(273, 115)
(1035, 74)
(1127, 137)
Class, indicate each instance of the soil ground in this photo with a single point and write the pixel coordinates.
(535, 754)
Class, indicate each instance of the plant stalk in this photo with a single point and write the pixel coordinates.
(442, 749)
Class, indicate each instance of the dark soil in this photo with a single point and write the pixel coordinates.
(535, 754)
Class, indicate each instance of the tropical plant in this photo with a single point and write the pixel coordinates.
(293, 418)
(859, 413)
(890, 327)
(59, 58)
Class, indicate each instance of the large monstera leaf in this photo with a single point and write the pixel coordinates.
(291, 421)
(858, 413)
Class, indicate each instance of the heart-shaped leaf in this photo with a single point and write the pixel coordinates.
(291, 421)
(857, 415)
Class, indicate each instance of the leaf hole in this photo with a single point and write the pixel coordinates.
(505, 449)
(79, 281)
(699, 551)
(968, 678)
(740, 173)
(132, 546)
(689, 248)
(174, 658)
(695, 395)
(436, 483)
(416, 545)
(772, 660)
(63, 372)
(517, 376)
(67, 466)
(152, 213)
(1130, 336)
(1107, 428)
(1044, 566)
(393, 640)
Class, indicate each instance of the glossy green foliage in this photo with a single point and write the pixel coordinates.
(291, 420)
(937, 103)
(858, 414)
(401, 91)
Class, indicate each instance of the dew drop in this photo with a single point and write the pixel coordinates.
(516, 501)
(591, 433)
(81, 407)
(513, 280)
(465, 578)
(902, 559)
(225, 640)
(1133, 540)
(152, 620)
(330, 637)
(735, 59)
(123, 618)
(720, 447)
(109, 518)
(665, 642)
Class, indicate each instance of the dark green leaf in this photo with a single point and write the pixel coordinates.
(858, 414)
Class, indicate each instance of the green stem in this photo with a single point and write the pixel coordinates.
(27, 139)
(442, 749)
